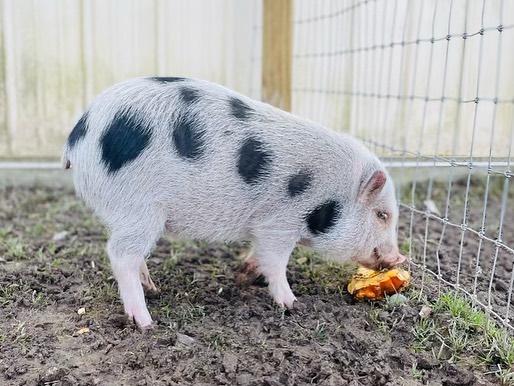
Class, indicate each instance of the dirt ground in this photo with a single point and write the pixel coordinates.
(445, 245)
(208, 330)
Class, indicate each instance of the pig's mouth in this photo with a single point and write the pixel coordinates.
(380, 265)
(381, 262)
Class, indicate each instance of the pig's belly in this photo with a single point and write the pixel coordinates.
(210, 221)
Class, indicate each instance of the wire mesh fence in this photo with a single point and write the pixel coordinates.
(427, 85)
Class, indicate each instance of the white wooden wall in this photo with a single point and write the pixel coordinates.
(56, 55)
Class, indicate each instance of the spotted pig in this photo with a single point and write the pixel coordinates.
(204, 162)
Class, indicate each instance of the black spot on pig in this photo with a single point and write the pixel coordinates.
(79, 131)
(321, 219)
(188, 139)
(240, 109)
(189, 95)
(254, 161)
(123, 142)
(167, 79)
(299, 182)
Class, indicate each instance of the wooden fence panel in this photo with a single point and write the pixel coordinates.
(57, 55)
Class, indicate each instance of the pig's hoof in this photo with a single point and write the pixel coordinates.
(147, 283)
(142, 319)
(282, 295)
(144, 324)
(289, 304)
(146, 328)
(150, 288)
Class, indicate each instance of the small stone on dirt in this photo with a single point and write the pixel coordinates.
(53, 374)
(81, 311)
(83, 330)
(426, 363)
(229, 363)
(305, 353)
(60, 236)
(425, 312)
(271, 381)
(432, 207)
(333, 380)
(186, 340)
(244, 379)
(501, 285)
(397, 300)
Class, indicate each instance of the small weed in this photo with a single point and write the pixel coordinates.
(376, 317)
(216, 340)
(39, 255)
(39, 298)
(104, 290)
(6, 293)
(170, 263)
(57, 262)
(19, 334)
(14, 248)
(38, 229)
(183, 314)
(5, 232)
(458, 307)
(458, 340)
(500, 346)
(423, 332)
(319, 331)
(415, 372)
(405, 246)
(506, 377)
(178, 247)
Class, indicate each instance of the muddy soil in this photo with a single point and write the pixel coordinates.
(208, 331)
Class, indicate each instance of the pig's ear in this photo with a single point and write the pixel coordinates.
(372, 188)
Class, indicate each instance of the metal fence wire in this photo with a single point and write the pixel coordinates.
(429, 86)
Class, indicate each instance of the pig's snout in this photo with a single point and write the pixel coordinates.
(380, 260)
(389, 260)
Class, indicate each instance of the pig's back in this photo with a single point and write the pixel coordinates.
(218, 163)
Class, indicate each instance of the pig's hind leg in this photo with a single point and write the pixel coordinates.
(248, 272)
(273, 254)
(146, 280)
(130, 243)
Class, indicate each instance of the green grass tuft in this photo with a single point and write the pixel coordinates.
(183, 314)
(460, 332)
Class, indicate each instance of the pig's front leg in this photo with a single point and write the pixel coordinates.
(273, 255)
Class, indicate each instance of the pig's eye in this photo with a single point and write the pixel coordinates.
(382, 215)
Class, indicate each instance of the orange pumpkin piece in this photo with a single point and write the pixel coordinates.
(374, 285)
